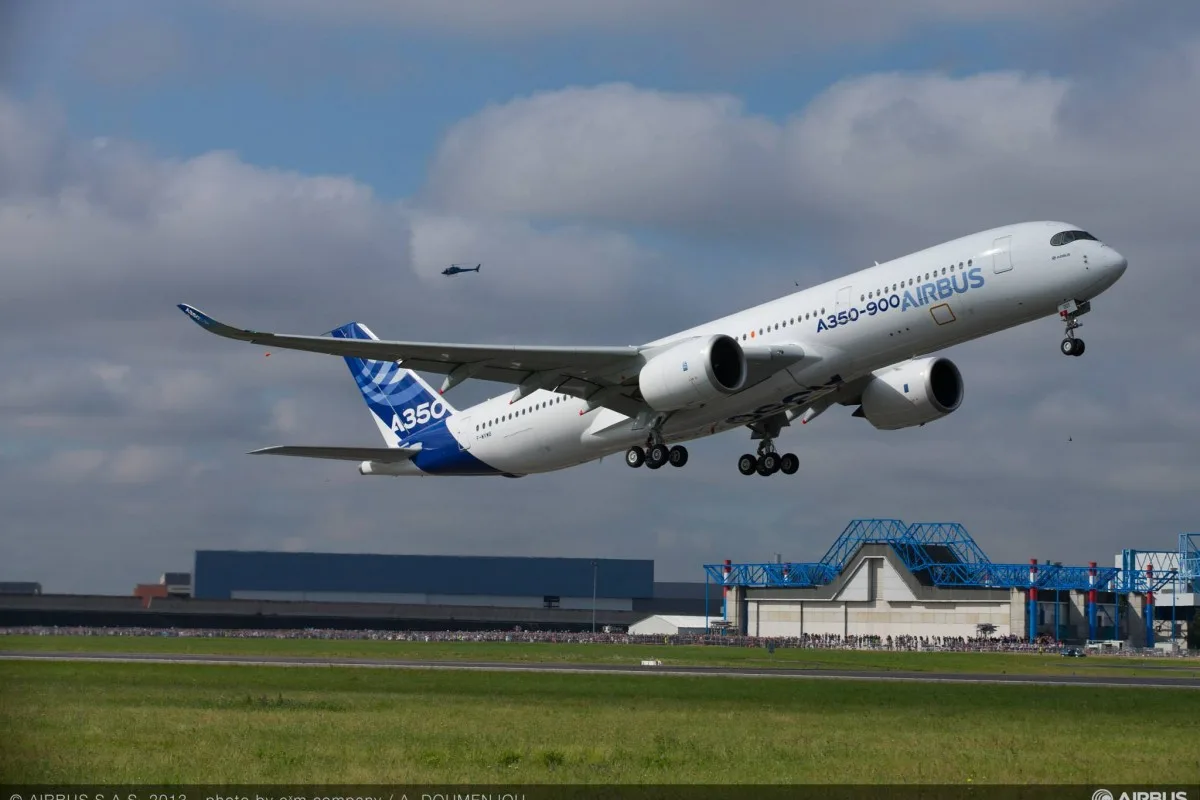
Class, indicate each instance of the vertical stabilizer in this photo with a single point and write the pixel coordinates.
(402, 403)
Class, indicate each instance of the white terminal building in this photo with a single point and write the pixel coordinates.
(882, 577)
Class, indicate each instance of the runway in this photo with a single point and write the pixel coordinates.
(1154, 682)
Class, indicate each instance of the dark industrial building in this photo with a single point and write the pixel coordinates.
(568, 583)
(20, 587)
(257, 589)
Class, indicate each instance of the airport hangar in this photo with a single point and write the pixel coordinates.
(882, 577)
(294, 590)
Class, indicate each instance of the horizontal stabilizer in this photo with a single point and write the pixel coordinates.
(382, 454)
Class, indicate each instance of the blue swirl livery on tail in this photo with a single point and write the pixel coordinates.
(402, 404)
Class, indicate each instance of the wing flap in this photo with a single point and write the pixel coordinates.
(381, 454)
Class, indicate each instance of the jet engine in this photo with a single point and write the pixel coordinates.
(693, 373)
(911, 393)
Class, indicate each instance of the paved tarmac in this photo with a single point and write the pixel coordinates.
(738, 672)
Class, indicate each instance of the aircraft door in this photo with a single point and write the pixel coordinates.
(466, 431)
(843, 298)
(1002, 254)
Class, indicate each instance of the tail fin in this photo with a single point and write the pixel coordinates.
(402, 403)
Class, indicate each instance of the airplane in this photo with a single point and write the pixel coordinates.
(454, 269)
(782, 362)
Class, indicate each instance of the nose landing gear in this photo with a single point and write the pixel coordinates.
(1069, 312)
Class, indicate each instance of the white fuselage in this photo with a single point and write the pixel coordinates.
(908, 307)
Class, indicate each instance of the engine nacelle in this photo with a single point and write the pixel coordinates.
(693, 373)
(912, 394)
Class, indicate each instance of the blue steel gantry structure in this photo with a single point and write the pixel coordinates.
(1189, 561)
(944, 554)
(1149, 570)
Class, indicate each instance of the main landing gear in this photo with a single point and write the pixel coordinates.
(768, 461)
(1070, 311)
(656, 454)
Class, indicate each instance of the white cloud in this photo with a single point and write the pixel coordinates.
(30, 150)
(138, 464)
(614, 153)
(132, 234)
(881, 150)
(527, 265)
(130, 465)
(73, 465)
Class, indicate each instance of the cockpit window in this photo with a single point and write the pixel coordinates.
(1066, 237)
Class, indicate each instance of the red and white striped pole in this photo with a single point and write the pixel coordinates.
(725, 590)
(1032, 599)
(1149, 604)
(1091, 610)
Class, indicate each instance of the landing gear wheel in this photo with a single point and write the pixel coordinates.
(678, 456)
(789, 464)
(656, 456)
(1072, 346)
(769, 463)
(635, 456)
(747, 464)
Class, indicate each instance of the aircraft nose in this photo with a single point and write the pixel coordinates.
(1117, 264)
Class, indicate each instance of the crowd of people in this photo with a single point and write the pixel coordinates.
(819, 641)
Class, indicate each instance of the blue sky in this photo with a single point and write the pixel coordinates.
(624, 169)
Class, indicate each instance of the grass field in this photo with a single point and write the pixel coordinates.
(145, 723)
(1008, 663)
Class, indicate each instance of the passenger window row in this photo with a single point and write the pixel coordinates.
(521, 412)
(782, 324)
(869, 295)
(911, 281)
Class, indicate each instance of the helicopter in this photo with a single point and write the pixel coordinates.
(454, 269)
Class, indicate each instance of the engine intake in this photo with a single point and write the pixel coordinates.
(912, 394)
(693, 373)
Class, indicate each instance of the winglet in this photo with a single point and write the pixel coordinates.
(198, 316)
(220, 328)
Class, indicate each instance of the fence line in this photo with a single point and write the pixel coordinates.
(982, 644)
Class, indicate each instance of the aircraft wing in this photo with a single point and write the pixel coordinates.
(605, 376)
(581, 371)
(384, 454)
